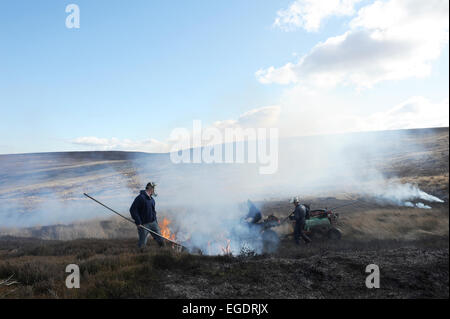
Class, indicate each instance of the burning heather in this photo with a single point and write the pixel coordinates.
(165, 230)
(227, 249)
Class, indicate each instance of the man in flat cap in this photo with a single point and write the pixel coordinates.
(144, 214)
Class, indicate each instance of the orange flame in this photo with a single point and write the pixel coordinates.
(165, 231)
(227, 250)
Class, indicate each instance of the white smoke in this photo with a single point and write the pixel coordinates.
(402, 195)
(205, 201)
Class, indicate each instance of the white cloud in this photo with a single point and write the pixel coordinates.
(321, 113)
(284, 75)
(263, 117)
(304, 112)
(308, 14)
(108, 144)
(391, 40)
(416, 112)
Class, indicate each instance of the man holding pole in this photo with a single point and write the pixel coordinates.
(144, 214)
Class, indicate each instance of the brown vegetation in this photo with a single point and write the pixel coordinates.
(115, 269)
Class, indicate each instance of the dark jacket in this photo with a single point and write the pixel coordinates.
(253, 213)
(143, 209)
(300, 213)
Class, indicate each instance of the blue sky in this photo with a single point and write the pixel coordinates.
(136, 70)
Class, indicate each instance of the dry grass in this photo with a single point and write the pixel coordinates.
(104, 266)
(115, 269)
(401, 223)
(104, 228)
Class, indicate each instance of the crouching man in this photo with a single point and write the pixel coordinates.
(254, 215)
(299, 216)
(144, 214)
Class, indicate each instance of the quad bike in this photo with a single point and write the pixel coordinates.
(319, 223)
(323, 223)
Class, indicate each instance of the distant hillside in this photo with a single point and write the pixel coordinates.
(47, 188)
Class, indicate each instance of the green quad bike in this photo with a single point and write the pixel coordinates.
(322, 223)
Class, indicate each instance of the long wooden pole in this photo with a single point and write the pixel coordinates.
(131, 221)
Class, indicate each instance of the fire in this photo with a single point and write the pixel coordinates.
(165, 231)
(227, 249)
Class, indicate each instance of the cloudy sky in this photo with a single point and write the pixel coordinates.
(133, 72)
